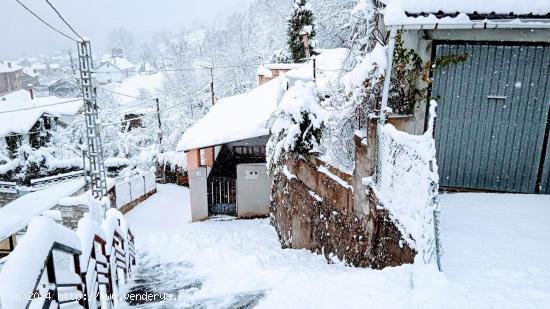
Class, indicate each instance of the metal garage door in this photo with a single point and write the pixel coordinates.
(493, 110)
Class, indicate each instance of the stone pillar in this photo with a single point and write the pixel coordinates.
(198, 192)
(365, 159)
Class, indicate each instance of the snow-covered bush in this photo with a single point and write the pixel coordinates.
(296, 126)
(30, 163)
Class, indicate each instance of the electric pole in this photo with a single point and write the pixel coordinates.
(212, 85)
(93, 137)
(159, 122)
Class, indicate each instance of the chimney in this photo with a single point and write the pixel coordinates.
(31, 92)
(305, 41)
(9, 65)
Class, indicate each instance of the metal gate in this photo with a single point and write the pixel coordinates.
(491, 131)
(222, 196)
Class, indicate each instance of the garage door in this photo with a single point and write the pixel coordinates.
(491, 131)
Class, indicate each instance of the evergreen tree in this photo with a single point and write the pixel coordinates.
(301, 21)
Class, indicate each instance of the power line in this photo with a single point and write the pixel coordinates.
(44, 22)
(146, 115)
(119, 93)
(64, 21)
(41, 106)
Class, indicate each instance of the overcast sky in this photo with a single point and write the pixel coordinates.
(23, 35)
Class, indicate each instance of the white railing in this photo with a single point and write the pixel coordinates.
(406, 183)
(55, 267)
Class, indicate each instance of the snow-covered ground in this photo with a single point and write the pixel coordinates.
(497, 253)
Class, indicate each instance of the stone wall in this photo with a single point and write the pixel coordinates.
(319, 212)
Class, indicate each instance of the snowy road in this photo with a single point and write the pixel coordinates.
(497, 253)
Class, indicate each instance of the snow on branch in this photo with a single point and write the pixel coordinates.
(296, 125)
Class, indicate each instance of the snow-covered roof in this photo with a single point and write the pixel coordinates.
(466, 14)
(6, 67)
(117, 62)
(245, 116)
(21, 121)
(30, 72)
(328, 67)
(283, 66)
(134, 86)
(263, 71)
(17, 214)
(234, 118)
(506, 7)
(38, 66)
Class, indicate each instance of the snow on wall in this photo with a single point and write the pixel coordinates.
(406, 184)
(134, 188)
(17, 214)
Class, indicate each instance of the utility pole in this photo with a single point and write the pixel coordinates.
(212, 85)
(160, 124)
(95, 149)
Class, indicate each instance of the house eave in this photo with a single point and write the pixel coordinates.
(475, 24)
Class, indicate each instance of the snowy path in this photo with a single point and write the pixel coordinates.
(497, 253)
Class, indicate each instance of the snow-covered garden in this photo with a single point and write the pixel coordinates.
(495, 256)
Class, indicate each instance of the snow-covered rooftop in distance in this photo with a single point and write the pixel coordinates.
(263, 71)
(521, 7)
(328, 65)
(118, 62)
(7, 66)
(135, 86)
(17, 214)
(38, 66)
(283, 66)
(30, 72)
(22, 121)
(245, 116)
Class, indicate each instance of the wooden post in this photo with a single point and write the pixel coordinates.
(212, 85)
(159, 123)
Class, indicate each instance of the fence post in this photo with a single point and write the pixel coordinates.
(82, 287)
(130, 185)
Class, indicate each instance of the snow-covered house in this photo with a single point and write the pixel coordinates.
(114, 68)
(64, 88)
(30, 77)
(269, 71)
(11, 77)
(226, 149)
(40, 68)
(26, 120)
(492, 86)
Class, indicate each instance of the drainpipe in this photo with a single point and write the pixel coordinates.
(387, 78)
(384, 103)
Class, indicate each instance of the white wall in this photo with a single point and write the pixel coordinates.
(253, 190)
